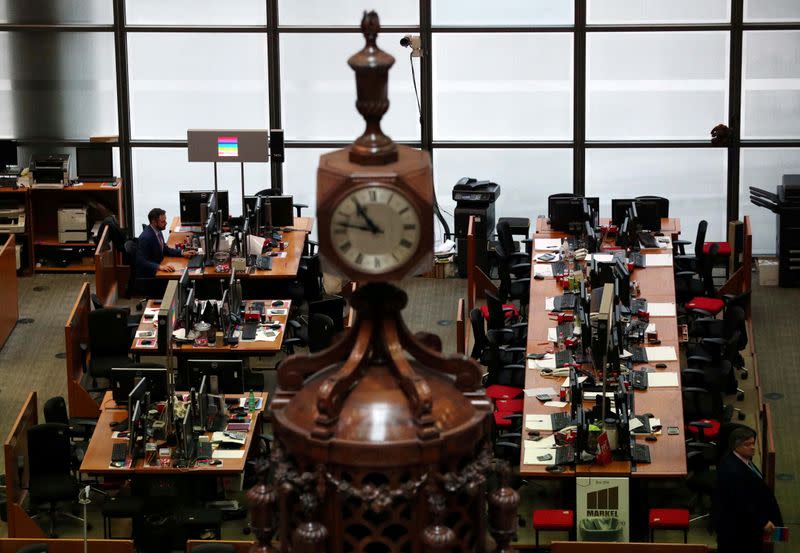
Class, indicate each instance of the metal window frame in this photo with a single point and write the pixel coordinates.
(580, 29)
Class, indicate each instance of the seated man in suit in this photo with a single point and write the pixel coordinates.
(745, 506)
(151, 251)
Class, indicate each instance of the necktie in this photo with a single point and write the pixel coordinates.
(754, 468)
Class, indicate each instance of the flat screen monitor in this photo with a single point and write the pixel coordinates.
(94, 163)
(187, 433)
(281, 208)
(191, 202)
(125, 379)
(8, 154)
(567, 213)
(225, 376)
(619, 209)
(649, 215)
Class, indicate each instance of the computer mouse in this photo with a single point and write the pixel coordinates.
(277, 303)
(651, 439)
(118, 464)
(215, 462)
(538, 277)
(555, 468)
(533, 433)
(661, 365)
(648, 415)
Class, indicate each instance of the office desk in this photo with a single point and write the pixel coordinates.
(282, 267)
(97, 459)
(670, 226)
(668, 453)
(242, 349)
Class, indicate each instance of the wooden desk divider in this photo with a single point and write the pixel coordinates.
(70, 545)
(767, 447)
(741, 281)
(76, 332)
(461, 328)
(620, 547)
(8, 291)
(108, 272)
(15, 448)
(477, 281)
(239, 546)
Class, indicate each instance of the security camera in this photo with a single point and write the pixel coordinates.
(405, 42)
(414, 42)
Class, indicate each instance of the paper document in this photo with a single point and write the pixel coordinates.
(549, 304)
(543, 269)
(634, 423)
(651, 327)
(662, 380)
(656, 354)
(532, 392)
(661, 309)
(546, 244)
(227, 454)
(226, 437)
(548, 362)
(552, 335)
(547, 442)
(254, 244)
(601, 257)
(658, 260)
(556, 404)
(538, 422)
(151, 312)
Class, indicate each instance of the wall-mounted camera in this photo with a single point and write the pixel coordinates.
(414, 42)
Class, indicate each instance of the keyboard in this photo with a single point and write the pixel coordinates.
(636, 328)
(639, 380)
(639, 354)
(640, 453)
(563, 358)
(565, 302)
(647, 240)
(249, 330)
(560, 420)
(204, 450)
(565, 455)
(195, 262)
(638, 304)
(558, 267)
(119, 452)
(637, 259)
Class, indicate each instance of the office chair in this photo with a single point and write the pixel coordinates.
(55, 411)
(701, 477)
(109, 341)
(687, 262)
(49, 464)
(514, 289)
(506, 317)
(316, 333)
(663, 204)
(704, 412)
(733, 323)
(505, 364)
(511, 247)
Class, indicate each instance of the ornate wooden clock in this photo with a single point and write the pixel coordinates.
(381, 443)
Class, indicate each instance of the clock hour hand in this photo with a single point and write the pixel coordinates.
(370, 223)
(360, 227)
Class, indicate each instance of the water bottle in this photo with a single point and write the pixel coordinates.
(251, 403)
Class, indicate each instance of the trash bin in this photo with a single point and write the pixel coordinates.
(600, 529)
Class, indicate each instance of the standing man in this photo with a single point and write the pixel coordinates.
(151, 251)
(745, 506)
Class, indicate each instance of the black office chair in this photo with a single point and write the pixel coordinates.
(109, 341)
(704, 412)
(684, 261)
(50, 464)
(701, 477)
(80, 430)
(514, 289)
(663, 204)
(213, 548)
(316, 333)
(512, 248)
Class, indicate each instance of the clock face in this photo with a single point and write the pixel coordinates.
(375, 229)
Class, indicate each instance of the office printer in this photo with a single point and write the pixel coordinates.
(50, 171)
(12, 217)
(785, 203)
(468, 190)
(72, 224)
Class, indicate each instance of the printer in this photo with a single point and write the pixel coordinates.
(50, 171)
(72, 226)
(12, 217)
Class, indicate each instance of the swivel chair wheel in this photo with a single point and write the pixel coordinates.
(741, 415)
(743, 376)
(740, 396)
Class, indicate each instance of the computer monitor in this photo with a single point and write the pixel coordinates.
(281, 211)
(619, 209)
(603, 338)
(567, 213)
(135, 429)
(8, 154)
(192, 200)
(124, 381)
(648, 215)
(186, 439)
(225, 376)
(94, 163)
(188, 311)
(576, 392)
(210, 237)
(202, 402)
(622, 278)
(168, 314)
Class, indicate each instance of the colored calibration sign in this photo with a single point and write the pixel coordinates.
(228, 146)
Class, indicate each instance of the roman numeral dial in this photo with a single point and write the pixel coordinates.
(375, 229)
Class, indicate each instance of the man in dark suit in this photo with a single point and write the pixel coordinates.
(744, 505)
(151, 251)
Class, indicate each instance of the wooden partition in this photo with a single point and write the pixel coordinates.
(12, 545)
(8, 290)
(615, 547)
(477, 281)
(239, 546)
(15, 449)
(741, 281)
(76, 332)
(767, 447)
(106, 270)
(462, 326)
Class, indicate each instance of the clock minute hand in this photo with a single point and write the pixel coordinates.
(359, 227)
(370, 223)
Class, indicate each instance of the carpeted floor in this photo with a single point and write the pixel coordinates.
(30, 361)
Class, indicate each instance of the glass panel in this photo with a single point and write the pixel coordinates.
(502, 12)
(771, 87)
(194, 81)
(771, 10)
(57, 11)
(657, 11)
(501, 87)
(318, 89)
(694, 181)
(764, 168)
(160, 173)
(196, 12)
(523, 189)
(57, 85)
(346, 12)
(667, 86)
(300, 178)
